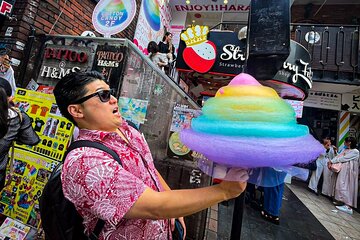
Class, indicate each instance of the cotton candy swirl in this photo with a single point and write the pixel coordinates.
(249, 125)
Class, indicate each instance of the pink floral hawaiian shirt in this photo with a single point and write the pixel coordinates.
(101, 188)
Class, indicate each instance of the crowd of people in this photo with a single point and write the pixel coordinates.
(162, 54)
(340, 173)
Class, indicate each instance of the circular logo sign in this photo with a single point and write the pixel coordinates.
(113, 16)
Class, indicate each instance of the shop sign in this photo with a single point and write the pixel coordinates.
(57, 62)
(113, 16)
(324, 100)
(207, 6)
(6, 7)
(109, 61)
(295, 76)
(230, 55)
(350, 102)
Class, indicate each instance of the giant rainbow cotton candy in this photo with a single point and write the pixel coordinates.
(248, 125)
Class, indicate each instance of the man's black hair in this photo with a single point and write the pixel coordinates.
(73, 87)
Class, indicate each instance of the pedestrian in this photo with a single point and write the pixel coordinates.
(346, 186)
(133, 199)
(166, 46)
(159, 59)
(329, 177)
(321, 166)
(14, 126)
(273, 194)
(6, 71)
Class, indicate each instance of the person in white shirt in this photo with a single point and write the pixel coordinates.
(321, 164)
(6, 71)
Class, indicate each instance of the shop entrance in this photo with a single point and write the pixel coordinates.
(321, 122)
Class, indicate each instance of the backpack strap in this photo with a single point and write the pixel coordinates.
(100, 146)
(94, 235)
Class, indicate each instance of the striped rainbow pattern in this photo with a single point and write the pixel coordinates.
(249, 125)
(344, 127)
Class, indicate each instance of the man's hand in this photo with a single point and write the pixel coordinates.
(234, 182)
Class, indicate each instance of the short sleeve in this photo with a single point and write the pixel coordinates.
(95, 182)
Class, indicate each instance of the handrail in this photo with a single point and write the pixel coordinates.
(175, 86)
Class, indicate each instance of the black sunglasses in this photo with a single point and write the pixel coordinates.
(104, 96)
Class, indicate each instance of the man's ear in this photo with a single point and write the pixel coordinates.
(75, 111)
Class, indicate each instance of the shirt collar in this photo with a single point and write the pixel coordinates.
(98, 135)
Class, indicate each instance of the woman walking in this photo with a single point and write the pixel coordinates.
(346, 186)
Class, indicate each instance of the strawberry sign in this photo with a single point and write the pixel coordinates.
(200, 53)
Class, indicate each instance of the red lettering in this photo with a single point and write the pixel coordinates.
(5, 8)
(198, 8)
(64, 54)
(47, 53)
(223, 7)
(73, 56)
(59, 54)
(232, 8)
(82, 57)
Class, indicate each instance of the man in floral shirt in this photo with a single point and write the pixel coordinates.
(133, 199)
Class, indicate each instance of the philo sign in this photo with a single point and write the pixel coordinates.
(6, 7)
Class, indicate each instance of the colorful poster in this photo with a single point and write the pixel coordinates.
(19, 199)
(133, 110)
(32, 165)
(54, 130)
(13, 230)
(113, 16)
(181, 119)
(154, 17)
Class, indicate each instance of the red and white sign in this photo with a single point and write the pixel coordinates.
(5, 8)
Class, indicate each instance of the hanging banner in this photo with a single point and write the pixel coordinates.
(153, 18)
(113, 16)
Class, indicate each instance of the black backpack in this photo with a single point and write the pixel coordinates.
(59, 218)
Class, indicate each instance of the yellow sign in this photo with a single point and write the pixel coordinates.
(19, 199)
(53, 129)
(32, 165)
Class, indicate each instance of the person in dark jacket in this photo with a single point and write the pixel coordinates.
(14, 126)
(167, 47)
